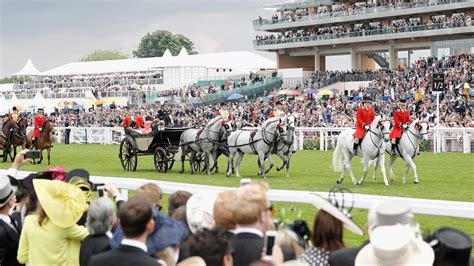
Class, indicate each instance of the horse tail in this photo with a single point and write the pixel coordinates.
(337, 156)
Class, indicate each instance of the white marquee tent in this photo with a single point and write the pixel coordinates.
(28, 70)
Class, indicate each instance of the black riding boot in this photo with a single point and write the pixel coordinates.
(33, 144)
(394, 151)
(355, 147)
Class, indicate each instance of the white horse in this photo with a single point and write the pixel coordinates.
(258, 142)
(370, 148)
(408, 148)
(284, 145)
(205, 140)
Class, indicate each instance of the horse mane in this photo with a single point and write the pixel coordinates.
(212, 121)
(270, 120)
(376, 120)
(413, 123)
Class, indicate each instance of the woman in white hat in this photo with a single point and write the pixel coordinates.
(52, 236)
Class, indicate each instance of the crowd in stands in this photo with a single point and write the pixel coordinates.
(385, 87)
(340, 10)
(360, 29)
(51, 218)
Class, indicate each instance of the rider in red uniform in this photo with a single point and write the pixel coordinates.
(39, 121)
(401, 121)
(364, 116)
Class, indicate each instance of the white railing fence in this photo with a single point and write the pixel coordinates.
(312, 138)
(457, 209)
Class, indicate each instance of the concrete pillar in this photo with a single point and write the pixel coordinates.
(392, 53)
(317, 61)
(322, 63)
(353, 59)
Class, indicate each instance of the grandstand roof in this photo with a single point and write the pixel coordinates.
(239, 59)
(28, 70)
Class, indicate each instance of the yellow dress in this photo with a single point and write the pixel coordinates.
(49, 244)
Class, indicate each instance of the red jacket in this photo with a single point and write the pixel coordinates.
(364, 116)
(228, 118)
(126, 122)
(399, 118)
(39, 123)
(140, 122)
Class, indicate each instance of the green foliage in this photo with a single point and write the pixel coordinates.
(101, 55)
(13, 79)
(155, 44)
(311, 144)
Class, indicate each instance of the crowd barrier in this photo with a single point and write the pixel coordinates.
(456, 209)
(320, 138)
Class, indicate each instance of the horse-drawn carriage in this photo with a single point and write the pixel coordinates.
(162, 143)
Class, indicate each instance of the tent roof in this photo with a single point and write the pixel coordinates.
(240, 59)
(28, 70)
(167, 53)
(183, 52)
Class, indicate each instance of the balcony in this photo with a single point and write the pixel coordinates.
(400, 9)
(386, 34)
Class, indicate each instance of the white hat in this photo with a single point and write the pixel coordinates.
(200, 211)
(395, 245)
(389, 213)
(323, 204)
(7, 191)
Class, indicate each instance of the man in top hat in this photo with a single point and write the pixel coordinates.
(39, 121)
(224, 112)
(364, 116)
(401, 121)
(278, 111)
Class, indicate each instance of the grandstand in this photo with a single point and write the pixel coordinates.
(304, 33)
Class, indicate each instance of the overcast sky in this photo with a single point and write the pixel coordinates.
(56, 32)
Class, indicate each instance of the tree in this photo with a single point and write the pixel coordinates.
(155, 44)
(101, 55)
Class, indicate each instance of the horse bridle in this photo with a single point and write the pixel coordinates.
(379, 136)
(208, 129)
(274, 135)
(419, 132)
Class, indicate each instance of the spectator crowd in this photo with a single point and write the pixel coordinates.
(51, 218)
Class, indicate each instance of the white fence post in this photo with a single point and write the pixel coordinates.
(301, 141)
(466, 142)
(321, 140)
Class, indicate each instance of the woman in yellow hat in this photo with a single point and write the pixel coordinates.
(52, 237)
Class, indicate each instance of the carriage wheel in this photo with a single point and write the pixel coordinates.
(170, 160)
(128, 156)
(199, 164)
(161, 160)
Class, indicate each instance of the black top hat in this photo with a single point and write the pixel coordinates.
(223, 104)
(366, 99)
(278, 103)
(404, 101)
(14, 108)
(451, 247)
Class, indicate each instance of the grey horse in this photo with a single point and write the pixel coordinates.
(205, 140)
(258, 142)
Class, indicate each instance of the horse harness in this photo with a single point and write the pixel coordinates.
(252, 141)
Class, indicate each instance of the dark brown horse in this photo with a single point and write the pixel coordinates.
(5, 142)
(43, 142)
(18, 136)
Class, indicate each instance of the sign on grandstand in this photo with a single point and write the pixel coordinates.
(438, 83)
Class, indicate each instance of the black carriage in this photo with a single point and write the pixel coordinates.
(163, 144)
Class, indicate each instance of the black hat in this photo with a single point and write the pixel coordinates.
(14, 108)
(223, 104)
(404, 101)
(366, 99)
(451, 247)
(278, 103)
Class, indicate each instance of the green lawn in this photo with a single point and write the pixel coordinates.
(447, 176)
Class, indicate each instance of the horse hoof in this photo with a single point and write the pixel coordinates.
(358, 183)
(338, 182)
(416, 182)
(227, 175)
(387, 185)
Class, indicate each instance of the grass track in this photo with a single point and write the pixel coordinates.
(446, 176)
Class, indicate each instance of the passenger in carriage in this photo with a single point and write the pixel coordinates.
(140, 120)
(129, 120)
(224, 112)
(277, 111)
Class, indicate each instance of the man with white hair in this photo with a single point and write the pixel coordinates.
(380, 214)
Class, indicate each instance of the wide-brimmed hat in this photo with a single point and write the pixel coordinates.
(7, 191)
(366, 99)
(340, 214)
(64, 203)
(451, 246)
(200, 211)
(395, 245)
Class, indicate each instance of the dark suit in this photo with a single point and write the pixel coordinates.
(125, 256)
(345, 256)
(93, 245)
(9, 239)
(247, 248)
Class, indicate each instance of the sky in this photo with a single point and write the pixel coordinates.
(56, 32)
